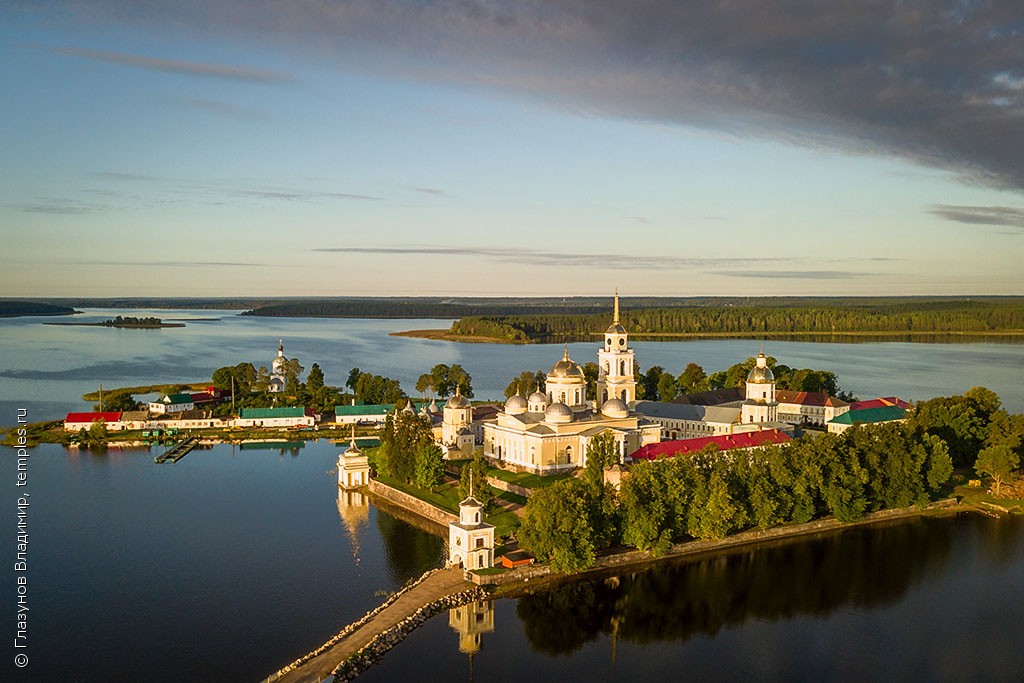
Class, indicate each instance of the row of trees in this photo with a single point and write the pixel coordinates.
(709, 494)
(927, 316)
(443, 380)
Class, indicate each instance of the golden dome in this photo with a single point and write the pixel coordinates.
(566, 367)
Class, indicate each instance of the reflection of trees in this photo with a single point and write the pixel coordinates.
(409, 551)
(861, 567)
(1000, 539)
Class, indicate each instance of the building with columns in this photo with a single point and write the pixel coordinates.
(550, 432)
(353, 467)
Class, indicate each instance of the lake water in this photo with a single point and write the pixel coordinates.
(231, 563)
(47, 368)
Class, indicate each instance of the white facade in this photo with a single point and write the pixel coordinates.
(353, 468)
(760, 405)
(470, 540)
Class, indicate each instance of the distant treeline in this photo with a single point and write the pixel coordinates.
(949, 316)
(11, 309)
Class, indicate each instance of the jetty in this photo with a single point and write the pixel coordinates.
(402, 608)
(177, 451)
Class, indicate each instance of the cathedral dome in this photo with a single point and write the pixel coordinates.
(615, 328)
(457, 401)
(515, 405)
(432, 408)
(615, 408)
(538, 402)
(566, 368)
(558, 412)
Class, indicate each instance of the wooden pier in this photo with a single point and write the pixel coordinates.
(177, 451)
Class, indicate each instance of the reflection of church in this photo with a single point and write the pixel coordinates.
(354, 511)
(471, 621)
(551, 431)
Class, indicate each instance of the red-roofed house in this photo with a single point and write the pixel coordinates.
(76, 421)
(880, 403)
(725, 442)
(803, 407)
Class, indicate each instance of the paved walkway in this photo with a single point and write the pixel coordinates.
(436, 586)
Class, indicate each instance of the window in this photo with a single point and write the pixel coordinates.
(480, 543)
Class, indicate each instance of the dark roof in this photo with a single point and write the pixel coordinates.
(714, 397)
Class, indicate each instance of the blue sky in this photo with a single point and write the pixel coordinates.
(536, 148)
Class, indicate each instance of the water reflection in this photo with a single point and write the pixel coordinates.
(354, 511)
(470, 622)
(407, 549)
(859, 567)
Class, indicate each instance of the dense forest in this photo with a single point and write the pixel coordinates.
(931, 317)
(12, 309)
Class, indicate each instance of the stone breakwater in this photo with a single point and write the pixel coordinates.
(348, 630)
(373, 651)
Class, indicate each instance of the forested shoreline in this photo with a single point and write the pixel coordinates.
(897, 318)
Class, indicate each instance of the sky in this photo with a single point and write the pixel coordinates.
(474, 147)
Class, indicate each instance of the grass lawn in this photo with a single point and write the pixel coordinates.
(973, 495)
(526, 479)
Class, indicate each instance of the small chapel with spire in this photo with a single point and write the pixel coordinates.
(471, 539)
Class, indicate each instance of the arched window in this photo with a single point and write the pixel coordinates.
(622, 367)
(568, 454)
(607, 367)
(604, 395)
(624, 396)
(563, 397)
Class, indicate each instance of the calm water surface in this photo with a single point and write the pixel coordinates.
(231, 563)
(46, 368)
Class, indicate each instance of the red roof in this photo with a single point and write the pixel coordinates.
(808, 398)
(92, 417)
(880, 403)
(725, 442)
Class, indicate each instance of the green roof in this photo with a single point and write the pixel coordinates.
(264, 413)
(176, 399)
(374, 408)
(870, 415)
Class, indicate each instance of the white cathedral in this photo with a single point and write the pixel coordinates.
(550, 432)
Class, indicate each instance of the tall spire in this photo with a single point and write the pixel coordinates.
(615, 320)
(565, 355)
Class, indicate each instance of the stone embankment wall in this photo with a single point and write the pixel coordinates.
(697, 548)
(412, 503)
(511, 488)
(372, 652)
(350, 628)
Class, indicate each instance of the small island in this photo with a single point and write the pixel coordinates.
(127, 321)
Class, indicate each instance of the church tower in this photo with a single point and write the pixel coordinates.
(760, 404)
(615, 364)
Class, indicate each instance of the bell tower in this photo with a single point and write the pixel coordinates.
(615, 364)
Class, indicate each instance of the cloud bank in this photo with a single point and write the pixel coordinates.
(936, 83)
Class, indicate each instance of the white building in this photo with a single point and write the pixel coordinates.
(172, 403)
(353, 467)
(274, 417)
(471, 539)
(551, 432)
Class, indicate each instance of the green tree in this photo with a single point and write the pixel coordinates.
(96, 437)
(693, 379)
(998, 462)
(602, 453)
(353, 377)
(667, 389)
(716, 517)
(424, 384)
(556, 526)
(957, 420)
(524, 385)
(645, 507)
(475, 472)
(429, 467)
(118, 401)
(315, 380)
(590, 375)
(446, 378)
(400, 437)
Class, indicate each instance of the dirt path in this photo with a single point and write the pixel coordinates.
(436, 586)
